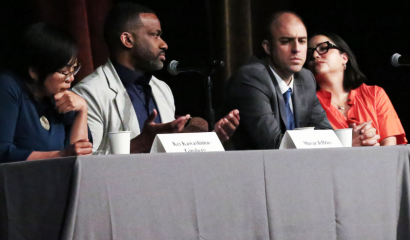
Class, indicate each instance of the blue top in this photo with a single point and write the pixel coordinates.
(21, 131)
(140, 92)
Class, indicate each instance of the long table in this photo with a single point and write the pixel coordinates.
(341, 193)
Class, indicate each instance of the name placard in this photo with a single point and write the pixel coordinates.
(309, 139)
(187, 142)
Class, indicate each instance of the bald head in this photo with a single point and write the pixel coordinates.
(277, 20)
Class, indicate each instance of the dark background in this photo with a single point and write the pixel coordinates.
(198, 31)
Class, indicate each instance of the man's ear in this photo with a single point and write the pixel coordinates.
(33, 73)
(266, 46)
(127, 39)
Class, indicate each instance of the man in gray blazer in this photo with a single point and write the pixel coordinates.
(276, 94)
(124, 95)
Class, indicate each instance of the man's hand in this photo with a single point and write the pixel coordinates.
(68, 101)
(364, 134)
(143, 142)
(81, 147)
(225, 127)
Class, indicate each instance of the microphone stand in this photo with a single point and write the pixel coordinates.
(206, 74)
(210, 113)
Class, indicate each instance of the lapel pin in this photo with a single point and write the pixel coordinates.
(45, 123)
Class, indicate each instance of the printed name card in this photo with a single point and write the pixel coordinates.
(309, 139)
(187, 142)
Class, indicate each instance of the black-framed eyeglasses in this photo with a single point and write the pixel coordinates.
(321, 49)
(74, 72)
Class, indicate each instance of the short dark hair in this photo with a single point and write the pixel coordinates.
(47, 49)
(353, 77)
(273, 18)
(122, 17)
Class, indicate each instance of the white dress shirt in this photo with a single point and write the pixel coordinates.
(283, 86)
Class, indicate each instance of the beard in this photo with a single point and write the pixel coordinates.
(156, 65)
(149, 61)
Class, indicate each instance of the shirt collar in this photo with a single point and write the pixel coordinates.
(129, 76)
(351, 99)
(327, 96)
(282, 84)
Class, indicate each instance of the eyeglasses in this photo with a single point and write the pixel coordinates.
(321, 49)
(74, 72)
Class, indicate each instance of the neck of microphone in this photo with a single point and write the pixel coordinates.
(174, 68)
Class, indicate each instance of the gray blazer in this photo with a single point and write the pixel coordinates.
(254, 91)
(110, 108)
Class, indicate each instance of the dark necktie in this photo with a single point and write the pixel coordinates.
(290, 125)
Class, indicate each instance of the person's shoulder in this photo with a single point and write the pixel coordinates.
(305, 74)
(160, 84)
(253, 70)
(9, 79)
(94, 84)
(252, 64)
(372, 88)
(158, 81)
(370, 91)
(92, 80)
(306, 77)
(11, 83)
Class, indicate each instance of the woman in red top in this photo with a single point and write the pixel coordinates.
(343, 94)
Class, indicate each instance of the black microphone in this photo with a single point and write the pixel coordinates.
(398, 60)
(174, 67)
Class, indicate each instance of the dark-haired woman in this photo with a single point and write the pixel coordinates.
(343, 94)
(39, 117)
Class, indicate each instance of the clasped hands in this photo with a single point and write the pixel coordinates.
(224, 128)
(364, 134)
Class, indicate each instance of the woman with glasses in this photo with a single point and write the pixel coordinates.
(343, 93)
(39, 117)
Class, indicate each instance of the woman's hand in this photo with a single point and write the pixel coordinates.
(81, 147)
(68, 101)
(364, 134)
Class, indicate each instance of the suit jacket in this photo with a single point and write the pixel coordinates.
(110, 108)
(255, 92)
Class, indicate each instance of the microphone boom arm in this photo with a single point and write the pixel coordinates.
(206, 73)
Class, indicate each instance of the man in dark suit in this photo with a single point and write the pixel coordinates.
(276, 94)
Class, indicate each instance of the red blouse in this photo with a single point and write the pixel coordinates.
(366, 103)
